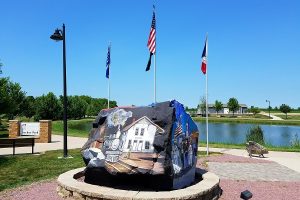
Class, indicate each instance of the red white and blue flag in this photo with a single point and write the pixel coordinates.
(152, 40)
(204, 57)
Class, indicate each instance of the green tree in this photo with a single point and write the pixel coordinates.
(11, 98)
(1, 67)
(233, 105)
(255, 134)
(202, 106)
(97, 104)
(218, 106)
(28, 107)
(48, 107)
(86, 98)
(285, 109)
(254, 110)
(77, 107)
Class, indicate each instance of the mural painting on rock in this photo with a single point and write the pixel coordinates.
(157, 140)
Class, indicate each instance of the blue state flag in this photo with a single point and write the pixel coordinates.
(108, 62)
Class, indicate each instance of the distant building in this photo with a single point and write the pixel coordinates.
(225, 110)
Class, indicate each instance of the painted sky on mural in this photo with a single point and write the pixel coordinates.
(253, 50)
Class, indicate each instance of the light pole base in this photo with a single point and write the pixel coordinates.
(63, 157)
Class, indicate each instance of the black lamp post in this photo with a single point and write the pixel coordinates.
(269, 108)
(58, 37)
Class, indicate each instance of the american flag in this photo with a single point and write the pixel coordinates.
(178, 129)
(108, 62)
(151, 40)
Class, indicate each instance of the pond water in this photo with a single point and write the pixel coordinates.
(277, 135)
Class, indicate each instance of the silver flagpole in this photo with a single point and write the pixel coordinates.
(155, 56)
(155, 77)
(207, 148)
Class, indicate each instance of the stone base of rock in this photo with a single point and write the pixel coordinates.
(69, 187)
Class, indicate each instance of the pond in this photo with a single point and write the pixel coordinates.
(276, 135)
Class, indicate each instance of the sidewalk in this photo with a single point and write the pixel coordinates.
(288, 159)
(57, 143)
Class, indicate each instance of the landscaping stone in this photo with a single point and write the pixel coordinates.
(206, 189)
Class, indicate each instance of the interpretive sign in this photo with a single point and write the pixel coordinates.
(29, 128)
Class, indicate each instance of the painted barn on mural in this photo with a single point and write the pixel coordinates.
(157, 143)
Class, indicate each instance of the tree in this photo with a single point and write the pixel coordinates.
(202, 106)
(233, 105)
(218, 106)
(97, 104)
(254, 110)
(48, 107)
(28, 107)
(1, 67)
(11, 98)
(76, 107)
(255, 134)
(285, 109)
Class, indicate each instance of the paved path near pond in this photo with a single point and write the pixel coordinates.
(290, 160)
(56, 144)
(271, 115)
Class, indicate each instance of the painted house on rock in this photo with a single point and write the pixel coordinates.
(140, 135)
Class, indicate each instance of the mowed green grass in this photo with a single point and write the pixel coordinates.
(77, 128)
(289, 117)
(25, 169)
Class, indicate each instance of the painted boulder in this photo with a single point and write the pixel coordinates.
(153, 146)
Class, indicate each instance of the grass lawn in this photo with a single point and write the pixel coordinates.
(203, 153)
(77, 128)
(24, 169)
(278, 111)
(289, 117)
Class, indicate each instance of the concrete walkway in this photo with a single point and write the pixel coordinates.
(288, 159)
(272, 116)
(57, 143)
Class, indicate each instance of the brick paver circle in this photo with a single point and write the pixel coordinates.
(253, 171)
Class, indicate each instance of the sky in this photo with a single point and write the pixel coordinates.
(253, 49)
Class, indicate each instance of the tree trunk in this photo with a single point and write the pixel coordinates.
(285, 115)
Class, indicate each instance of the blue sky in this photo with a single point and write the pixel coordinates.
(253, 51)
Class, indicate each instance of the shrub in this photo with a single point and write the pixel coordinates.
(256, 134)
(295, 142)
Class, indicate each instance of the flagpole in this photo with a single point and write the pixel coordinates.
(207, 148)
(109, 77)
(155, 77)
(155, 55)
(108, 93)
